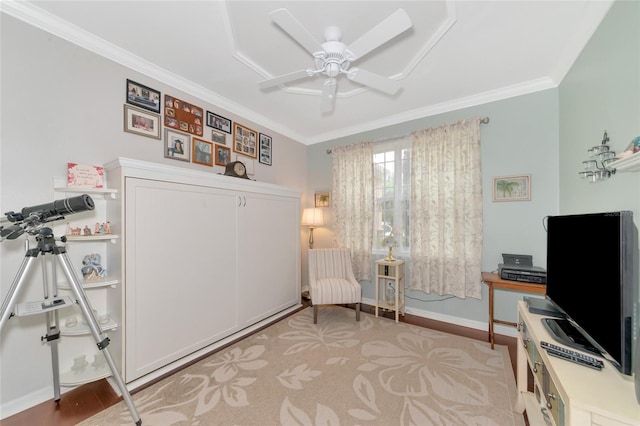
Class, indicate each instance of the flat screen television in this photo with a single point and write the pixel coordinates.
(592, 278)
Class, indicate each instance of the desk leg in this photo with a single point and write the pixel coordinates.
(491, 314)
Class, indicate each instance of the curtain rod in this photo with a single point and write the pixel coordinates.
(483, 120)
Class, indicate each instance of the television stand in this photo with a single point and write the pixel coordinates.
(566, 393)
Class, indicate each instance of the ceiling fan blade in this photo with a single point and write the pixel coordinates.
(395, 24)
(328, 95)
(373, 80)
(296, 30)
(281, 79)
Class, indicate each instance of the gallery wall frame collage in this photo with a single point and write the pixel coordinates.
(186, 137)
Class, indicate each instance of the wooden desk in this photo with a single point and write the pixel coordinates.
(494, 281)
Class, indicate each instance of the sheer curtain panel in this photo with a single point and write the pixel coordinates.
(353, 203)
(446, 210)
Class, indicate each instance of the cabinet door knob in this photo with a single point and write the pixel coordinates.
(535, 366)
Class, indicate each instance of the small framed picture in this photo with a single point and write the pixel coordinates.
(265, 150)
(512, 188)
(322, 199)
(245, 141)
(202, 152)
(141, 122)
(222, 155)
(177, 145)
(218, 122)
(218, 137)
(143, 96)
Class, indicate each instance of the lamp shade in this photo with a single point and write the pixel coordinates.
(312, 217)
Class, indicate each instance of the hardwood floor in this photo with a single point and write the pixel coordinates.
(87, 400)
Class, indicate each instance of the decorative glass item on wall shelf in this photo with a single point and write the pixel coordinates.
(599, 167)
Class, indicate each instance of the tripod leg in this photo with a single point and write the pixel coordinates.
(101, 340)
(53, 331)
(10, 300)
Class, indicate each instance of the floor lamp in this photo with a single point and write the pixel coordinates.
(312, 217)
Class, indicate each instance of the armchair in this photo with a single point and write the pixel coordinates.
(331, 279)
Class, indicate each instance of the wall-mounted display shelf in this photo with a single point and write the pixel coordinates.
(79, 337)
(106, 193)
(87, 238)
(627, 164)
(92, 284)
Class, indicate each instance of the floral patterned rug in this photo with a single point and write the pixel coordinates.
(338, 372)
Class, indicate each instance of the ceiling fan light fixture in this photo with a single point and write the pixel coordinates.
(333, 57)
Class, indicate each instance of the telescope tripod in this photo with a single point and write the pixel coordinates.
(46, 244)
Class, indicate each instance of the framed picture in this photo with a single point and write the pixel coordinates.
(512, 188)
(322, 199)
(245, 141)
(202, 152)
(143, 96)
(218, 137)
(222, 155)
(265, 149)
(141, 122)
(218, 122)
(183, 116)
(177, 146)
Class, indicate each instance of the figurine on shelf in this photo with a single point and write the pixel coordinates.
(107, 228)
(96, 230)
(76, 232)
(92, 268)
(87, 231)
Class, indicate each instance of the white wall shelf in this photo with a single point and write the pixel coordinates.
(627, 164)
(88, 238)
(91, 284)
(82, 329)
(106, 193)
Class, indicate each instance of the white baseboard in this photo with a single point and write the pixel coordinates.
(28, 401)
(477, 325)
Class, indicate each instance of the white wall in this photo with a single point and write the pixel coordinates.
(62, 103)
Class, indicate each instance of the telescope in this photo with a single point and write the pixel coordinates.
(30, 218)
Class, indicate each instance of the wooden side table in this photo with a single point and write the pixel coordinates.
(494, 281)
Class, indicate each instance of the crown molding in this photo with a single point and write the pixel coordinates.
(454, 105)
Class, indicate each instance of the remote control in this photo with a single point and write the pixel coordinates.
(573, 356)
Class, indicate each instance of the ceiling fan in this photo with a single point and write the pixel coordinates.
(333, 57)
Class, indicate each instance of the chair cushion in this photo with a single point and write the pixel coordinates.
(335, 291)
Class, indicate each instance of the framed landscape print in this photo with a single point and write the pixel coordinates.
(202, 152)
(177, 145)
(512, 188)
(265, 150)
(143, 96)
(141, 122)
(245, 141)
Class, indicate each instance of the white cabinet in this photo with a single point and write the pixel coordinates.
(76, 338)
(205, 258)
(565, 393)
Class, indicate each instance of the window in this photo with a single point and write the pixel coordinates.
(392, 192)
